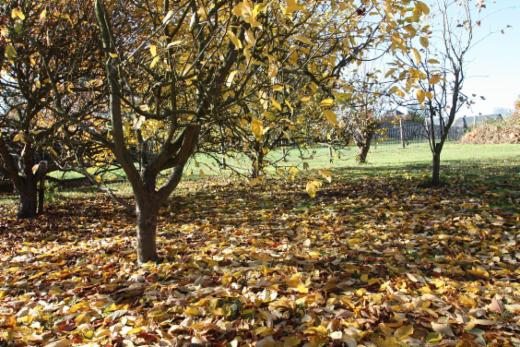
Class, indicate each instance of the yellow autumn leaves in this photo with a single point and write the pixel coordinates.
(17, 13)
(315, 185)
(257, 127)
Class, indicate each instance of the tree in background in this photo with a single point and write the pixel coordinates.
(435, 71)
(365, 109)
(40, 58)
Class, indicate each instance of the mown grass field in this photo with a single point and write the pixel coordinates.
(382, 160)
(380, 156)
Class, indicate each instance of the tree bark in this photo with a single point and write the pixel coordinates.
(402, 133)
(364, 148)
(28, 200)
(363, 153)
(258, 164)
(41, 195)
(436, 169)
(147, 216)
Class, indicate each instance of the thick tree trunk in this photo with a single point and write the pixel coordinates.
(147, 216)
(363, 142)
(436, 169)
(28, 200)
(258, 165)
(364, 148)
(363, 153)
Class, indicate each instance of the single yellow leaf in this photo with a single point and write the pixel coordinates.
(234, 39)
(276, 104)
(331, 117)
(257, 127)
(135, 331)
(421, 95)
(396, 90)
(424, 41)
(422, 7)
(467, 301)
(231, 78)
(192, 311)
(435, 79)
(17, 13)
(312, 188)
(292, 6)
(327, 175)
(153, 50)
(329, 102)
(155, 61)
(404, 332)
(479, 272)
(35, 168)
(19, 137)
(10, 52)
(319, 330)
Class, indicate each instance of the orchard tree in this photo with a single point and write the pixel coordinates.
(365, 108)
(283, 120)
(289, 105)
(40, 57)
(179, 70)
(435, 72)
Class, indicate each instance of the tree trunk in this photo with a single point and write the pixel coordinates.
(436, 169)
(363, 153)
(402, 133)
(364, 148)
(258, 164)
(41, 195)
(28, 200)
(147, 216)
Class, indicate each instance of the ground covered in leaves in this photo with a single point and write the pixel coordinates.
(371, 261)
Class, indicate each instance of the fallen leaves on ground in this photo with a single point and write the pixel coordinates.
(368, 262)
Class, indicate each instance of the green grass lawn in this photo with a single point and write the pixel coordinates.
(380, 156)
(383, 155)
(414, 160)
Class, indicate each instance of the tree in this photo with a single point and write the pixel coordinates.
(365, 109)
(40, 58)
(176, 70)
(436, 71)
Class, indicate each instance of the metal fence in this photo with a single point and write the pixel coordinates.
(414, 133)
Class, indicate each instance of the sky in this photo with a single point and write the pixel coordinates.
(494, 63)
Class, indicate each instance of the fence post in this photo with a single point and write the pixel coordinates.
(401, 129)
